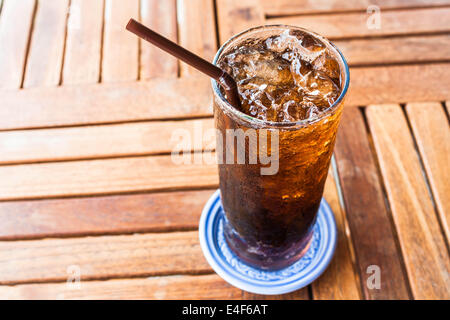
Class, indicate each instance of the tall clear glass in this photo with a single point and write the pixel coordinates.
(270, 217)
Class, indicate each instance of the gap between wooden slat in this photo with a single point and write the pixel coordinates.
(15, 38)
(353, 25)
(191, 97)
(167, 287)
(121, 214)
(107, 103)
(350, 11)
(120, 175)
(384, 193)
(366, 210)
(104, 257)
(340, 280)
(282, 8)
(446, 106)
(46, 47)
(395, 50)
(431, 135)
(424, 249)
(105, 141)
(161, 17)
(27, 51)
(63, 58)
(200, 117)
(347, 289)
(1, 7)
(82, 58)
(102, 42)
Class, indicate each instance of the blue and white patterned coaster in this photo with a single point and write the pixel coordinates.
(233, 270)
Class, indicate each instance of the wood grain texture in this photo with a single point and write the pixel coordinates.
(90, 177)
(179, 287)
(191, 97)
(14, 38)
(197, 31)
(430, 126)
(155, 212)
(120, 47)
(395, 50)
(424, 250)
(290, 7)
(335, 26)
(47, 44)
(372, 234)
(301, 294)
(235, 16)
(90, 142)
(101, 257)
(106, 103)
(340, 281)
(398, 84)
(161, 17)
(83, 43)
(104, 108)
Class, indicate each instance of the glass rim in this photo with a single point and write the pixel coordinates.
(287, 124)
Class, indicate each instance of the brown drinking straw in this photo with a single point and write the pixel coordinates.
(225, 80)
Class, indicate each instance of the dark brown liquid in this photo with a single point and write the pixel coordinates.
(270, 217)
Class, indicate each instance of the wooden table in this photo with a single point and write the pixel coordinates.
(88, 190)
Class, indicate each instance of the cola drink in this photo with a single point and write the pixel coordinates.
(291, 85)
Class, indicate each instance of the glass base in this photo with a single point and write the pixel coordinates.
(263, 256)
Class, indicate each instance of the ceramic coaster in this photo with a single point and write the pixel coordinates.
(233, 270)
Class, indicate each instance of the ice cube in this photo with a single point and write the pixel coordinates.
(326, 64)
(283, 78)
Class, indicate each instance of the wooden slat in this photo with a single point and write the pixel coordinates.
(47, 44)
(161, 288)
(337, 26)
(424, 250)
(101, 257)
(395, 50)
(14, 38)
(161, 17)
(83, 44)
(120, 47)
(398, 84)
(91, 177)
(100, 103)
(369, 221)
(118, 211)
(235, 16)
(290, 7)
(340, 281)
(430, 126)
(154, 212)
(301, 294)
(197, 31)
(99, 141)
(178, 98)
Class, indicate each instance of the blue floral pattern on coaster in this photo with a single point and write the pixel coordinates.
(238, 273)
